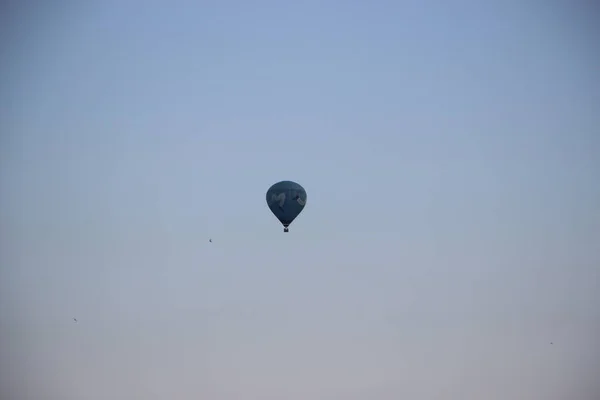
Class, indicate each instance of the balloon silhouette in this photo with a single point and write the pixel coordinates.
(286, 200)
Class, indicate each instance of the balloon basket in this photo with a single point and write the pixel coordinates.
(286, 230)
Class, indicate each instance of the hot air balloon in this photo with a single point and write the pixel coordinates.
(286, 199)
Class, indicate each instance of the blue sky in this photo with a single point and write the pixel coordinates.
(450, 153)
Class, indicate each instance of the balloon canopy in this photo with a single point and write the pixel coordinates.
(286, 200)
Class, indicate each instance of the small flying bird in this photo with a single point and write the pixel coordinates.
(210, 240)
(75, 319)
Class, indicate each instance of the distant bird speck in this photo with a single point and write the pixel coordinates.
(75, 319)
(210, 240)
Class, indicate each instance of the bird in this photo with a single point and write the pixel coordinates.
(75, 319)
(210, 240)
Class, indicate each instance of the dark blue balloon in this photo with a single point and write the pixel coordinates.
(286, 199)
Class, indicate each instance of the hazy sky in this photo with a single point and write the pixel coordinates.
(450, 151)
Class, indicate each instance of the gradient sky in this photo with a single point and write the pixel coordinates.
(451, 155)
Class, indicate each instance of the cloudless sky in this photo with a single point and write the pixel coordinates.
(451, 156)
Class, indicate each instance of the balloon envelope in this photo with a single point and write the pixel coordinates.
(286, 200)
